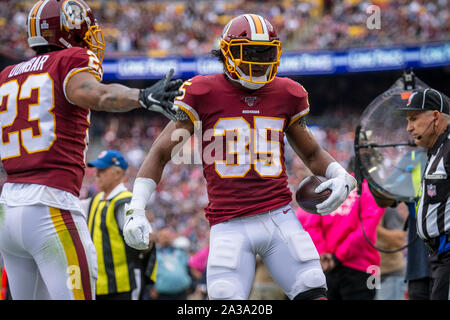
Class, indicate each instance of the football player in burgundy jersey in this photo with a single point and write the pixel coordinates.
(245, 113)
(44, 118)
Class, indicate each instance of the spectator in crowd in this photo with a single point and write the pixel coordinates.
(197, 265)
(391, 236)
(346, 256)
(197, 262)
(120, 267)
(173, 279)
(189, 28)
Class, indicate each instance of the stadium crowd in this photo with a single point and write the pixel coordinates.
(189, 28)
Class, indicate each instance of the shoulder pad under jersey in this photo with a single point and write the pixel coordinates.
(81, 58)
(199, 85)
(294, 88)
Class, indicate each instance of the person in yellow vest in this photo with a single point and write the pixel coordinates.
(120, 267)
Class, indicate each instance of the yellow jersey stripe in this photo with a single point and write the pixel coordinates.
(298, 116)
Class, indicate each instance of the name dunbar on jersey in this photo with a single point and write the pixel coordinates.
(249, 176)
(44, 136)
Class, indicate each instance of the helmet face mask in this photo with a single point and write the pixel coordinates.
(251, 50)
(254, 59)
(64, 24)
(96, 42)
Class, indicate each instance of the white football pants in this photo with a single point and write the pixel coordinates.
(48, 253)
(284, 246)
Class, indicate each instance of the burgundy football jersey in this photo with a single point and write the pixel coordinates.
(45, 136)
(243, 141)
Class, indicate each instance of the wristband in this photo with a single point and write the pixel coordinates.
(142, 190)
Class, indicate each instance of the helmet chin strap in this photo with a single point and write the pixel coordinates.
(246, 83)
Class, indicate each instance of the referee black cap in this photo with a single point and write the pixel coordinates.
(425, 99)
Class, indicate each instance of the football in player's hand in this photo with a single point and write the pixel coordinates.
(305, 195)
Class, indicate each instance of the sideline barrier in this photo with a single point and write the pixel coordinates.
(292, 63)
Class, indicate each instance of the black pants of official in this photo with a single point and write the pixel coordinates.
(114, 296)
(440, 275)
(419, 289)
(348, 284)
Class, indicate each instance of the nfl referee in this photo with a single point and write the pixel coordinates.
(428, 116)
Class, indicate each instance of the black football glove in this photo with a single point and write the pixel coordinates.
(159, 97)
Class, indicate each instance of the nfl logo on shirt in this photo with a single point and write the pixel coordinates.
(250, 101)
(431, 190)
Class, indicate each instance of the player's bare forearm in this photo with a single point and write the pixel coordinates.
(84, 90)
(308, 149)
(118, 98)
(317, 161)
(154, 163)
(162, 149)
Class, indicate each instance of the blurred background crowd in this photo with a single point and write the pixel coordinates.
(190, 28)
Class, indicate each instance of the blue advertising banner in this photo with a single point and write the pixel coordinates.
(292, 63)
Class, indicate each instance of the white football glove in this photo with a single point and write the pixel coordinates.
(340, 182)
(137, 228)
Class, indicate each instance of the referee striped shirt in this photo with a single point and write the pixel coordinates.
(433, 213)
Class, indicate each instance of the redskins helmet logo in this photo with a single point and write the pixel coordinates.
(73, 15)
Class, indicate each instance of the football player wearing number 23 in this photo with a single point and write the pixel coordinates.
(44, 117)
(248, 208)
